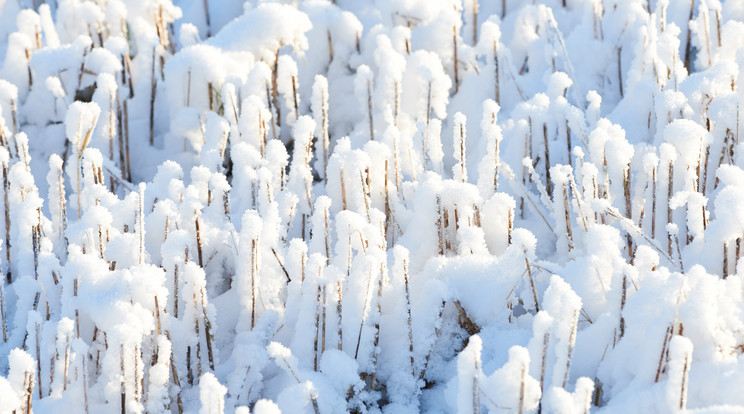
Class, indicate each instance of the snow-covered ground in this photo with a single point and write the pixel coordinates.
(371, 206)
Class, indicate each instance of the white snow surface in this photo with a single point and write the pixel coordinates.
(328, 206)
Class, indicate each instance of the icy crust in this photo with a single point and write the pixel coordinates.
(376, 207)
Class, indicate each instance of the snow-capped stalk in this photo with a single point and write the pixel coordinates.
(522, 388)
(207, 17)
(320, 111)
(626, 195)
(597, 12)
(670, 192)
(440, 225)
(126, 140)
(153, 89)
(653, 201)
(454, 60)
(254, 280)
(339, 314)
(567, 215)
(548, 182)
(323, 319)
(6, 191)
(527, 154)
(141, 224)
(365, 309)
(688, 43)
(3, 314)
(427, 358)
(208, 336)
(543, 363)
(620, 70)
(197, 229)
(532, 281)
(123, 388)
(459, 171)
(401, 257)
(725, 259)
(316, 343)
(376, 341)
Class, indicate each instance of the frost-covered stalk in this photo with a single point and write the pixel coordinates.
(401, 260)
(454, 59)
(680, 358)
(320, 112)
(80, 121)
(208, 336)
(363, 84)
(468, 376)
(211, 394)
(628, 212)
(459, 171)
(688, 43)
(141, 224)
(199, 247)
(548, 182)
(153, 89)
(3, 314)
(288, 363)
(376, 341)
(288, 87)
(488, 169)
(4, 159)
(670, 191)
(440, 225)
(318, 310)
(254, 280)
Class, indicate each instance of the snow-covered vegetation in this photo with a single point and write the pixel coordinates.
(221, 206)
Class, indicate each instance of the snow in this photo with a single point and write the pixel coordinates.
(384, 207)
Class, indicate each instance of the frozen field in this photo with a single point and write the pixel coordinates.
(371, 206)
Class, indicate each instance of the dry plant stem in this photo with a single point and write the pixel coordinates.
(3, 316)
(408, 310)
(436, 333)
(475, 22)
(323, 320)
(653, 203)
(370, 110)
(126, 134)
(206, 15)
(548, 182)
(546, 342)
(440, 225)
(376, 342)
(664, 350)
(153, 89)
(497, 83)
(339, 315)
(568, 144)
(670, 189)
(6, 245)
(123, 382)
(296, 99)
(620, 70)
(454, 60)
(317, 329)
(254, 280)
(476, 386)
(364, 313)
(522, 389)
(626, 194)
(209, 338)
(532, 283)
(567, 211)
(685, 377)
(725, 259)
(199, 251)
